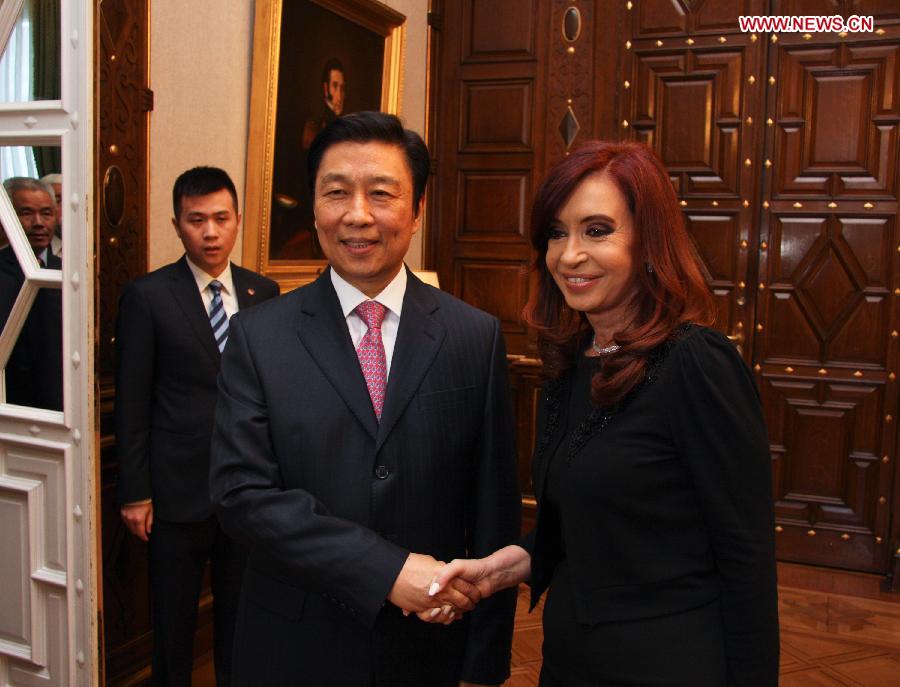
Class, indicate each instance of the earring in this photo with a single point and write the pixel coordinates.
(649, 267)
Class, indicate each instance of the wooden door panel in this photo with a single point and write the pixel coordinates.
(716, 238)
(837, 118)
(496, 116)
(498, 30)
(820, 292)
(659, 18)
(492, 205)
(827, 473)
(691, 102)
(497, 287)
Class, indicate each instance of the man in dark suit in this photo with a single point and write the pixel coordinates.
(171, 329)
(34, 369)
(363, 435)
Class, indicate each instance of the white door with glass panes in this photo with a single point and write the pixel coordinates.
(48, 577)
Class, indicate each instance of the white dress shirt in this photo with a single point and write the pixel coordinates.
(229, 300)
(391, 298)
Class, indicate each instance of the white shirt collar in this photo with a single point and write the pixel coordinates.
(203, 279)
(391, 297)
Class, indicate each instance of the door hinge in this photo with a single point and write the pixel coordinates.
(146, 100)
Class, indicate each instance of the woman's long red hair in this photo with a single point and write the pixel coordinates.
(675, 292)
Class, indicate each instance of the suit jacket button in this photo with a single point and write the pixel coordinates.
(381, 472)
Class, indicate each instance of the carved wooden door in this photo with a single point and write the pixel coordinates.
(827, 318)
(784, 153)
(124, 99)
(488, 120)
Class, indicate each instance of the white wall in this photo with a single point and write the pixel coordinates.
(200, 63)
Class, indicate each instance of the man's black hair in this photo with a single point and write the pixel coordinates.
(334, 64)
(201, 181)
(368, 127)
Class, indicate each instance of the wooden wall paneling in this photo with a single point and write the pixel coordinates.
(826, 347)
(695, 98)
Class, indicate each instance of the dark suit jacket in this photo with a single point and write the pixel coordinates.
(333, 501)
(166, 367)
(34, 370)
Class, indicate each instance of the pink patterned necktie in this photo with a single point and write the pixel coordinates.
(372, 359)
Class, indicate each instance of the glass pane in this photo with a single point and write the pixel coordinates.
(36, 202)
(30, 62)
(33, 373)
(30, 239)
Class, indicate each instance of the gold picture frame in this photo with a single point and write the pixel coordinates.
(276, 145)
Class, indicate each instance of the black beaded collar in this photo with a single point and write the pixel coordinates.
(599, 418)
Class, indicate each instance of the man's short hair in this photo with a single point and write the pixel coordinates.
(368, 127)
(16, 184)
(201, 181)
(54, 178)
(334, 64)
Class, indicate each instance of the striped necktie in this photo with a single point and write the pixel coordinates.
(217, 317)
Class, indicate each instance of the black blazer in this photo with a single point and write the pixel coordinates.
(666, 505)
(34, 371)
(166, 367)
(333, 502)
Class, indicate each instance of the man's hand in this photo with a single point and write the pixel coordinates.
(411, 591)
(138, 518)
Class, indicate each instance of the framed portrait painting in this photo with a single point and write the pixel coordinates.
(313, 60)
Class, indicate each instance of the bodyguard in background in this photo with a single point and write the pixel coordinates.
(171, 329)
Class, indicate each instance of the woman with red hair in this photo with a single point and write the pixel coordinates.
(652, 468)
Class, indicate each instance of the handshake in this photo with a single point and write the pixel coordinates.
(441, 593)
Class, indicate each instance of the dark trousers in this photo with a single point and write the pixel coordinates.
(178, 555)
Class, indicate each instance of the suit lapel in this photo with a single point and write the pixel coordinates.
(323, 331)
(243, 288)
(185, 292)
(418, 341)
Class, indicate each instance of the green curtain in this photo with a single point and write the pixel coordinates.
(45, 32)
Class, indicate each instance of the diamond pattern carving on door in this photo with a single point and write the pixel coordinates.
(826, 284)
